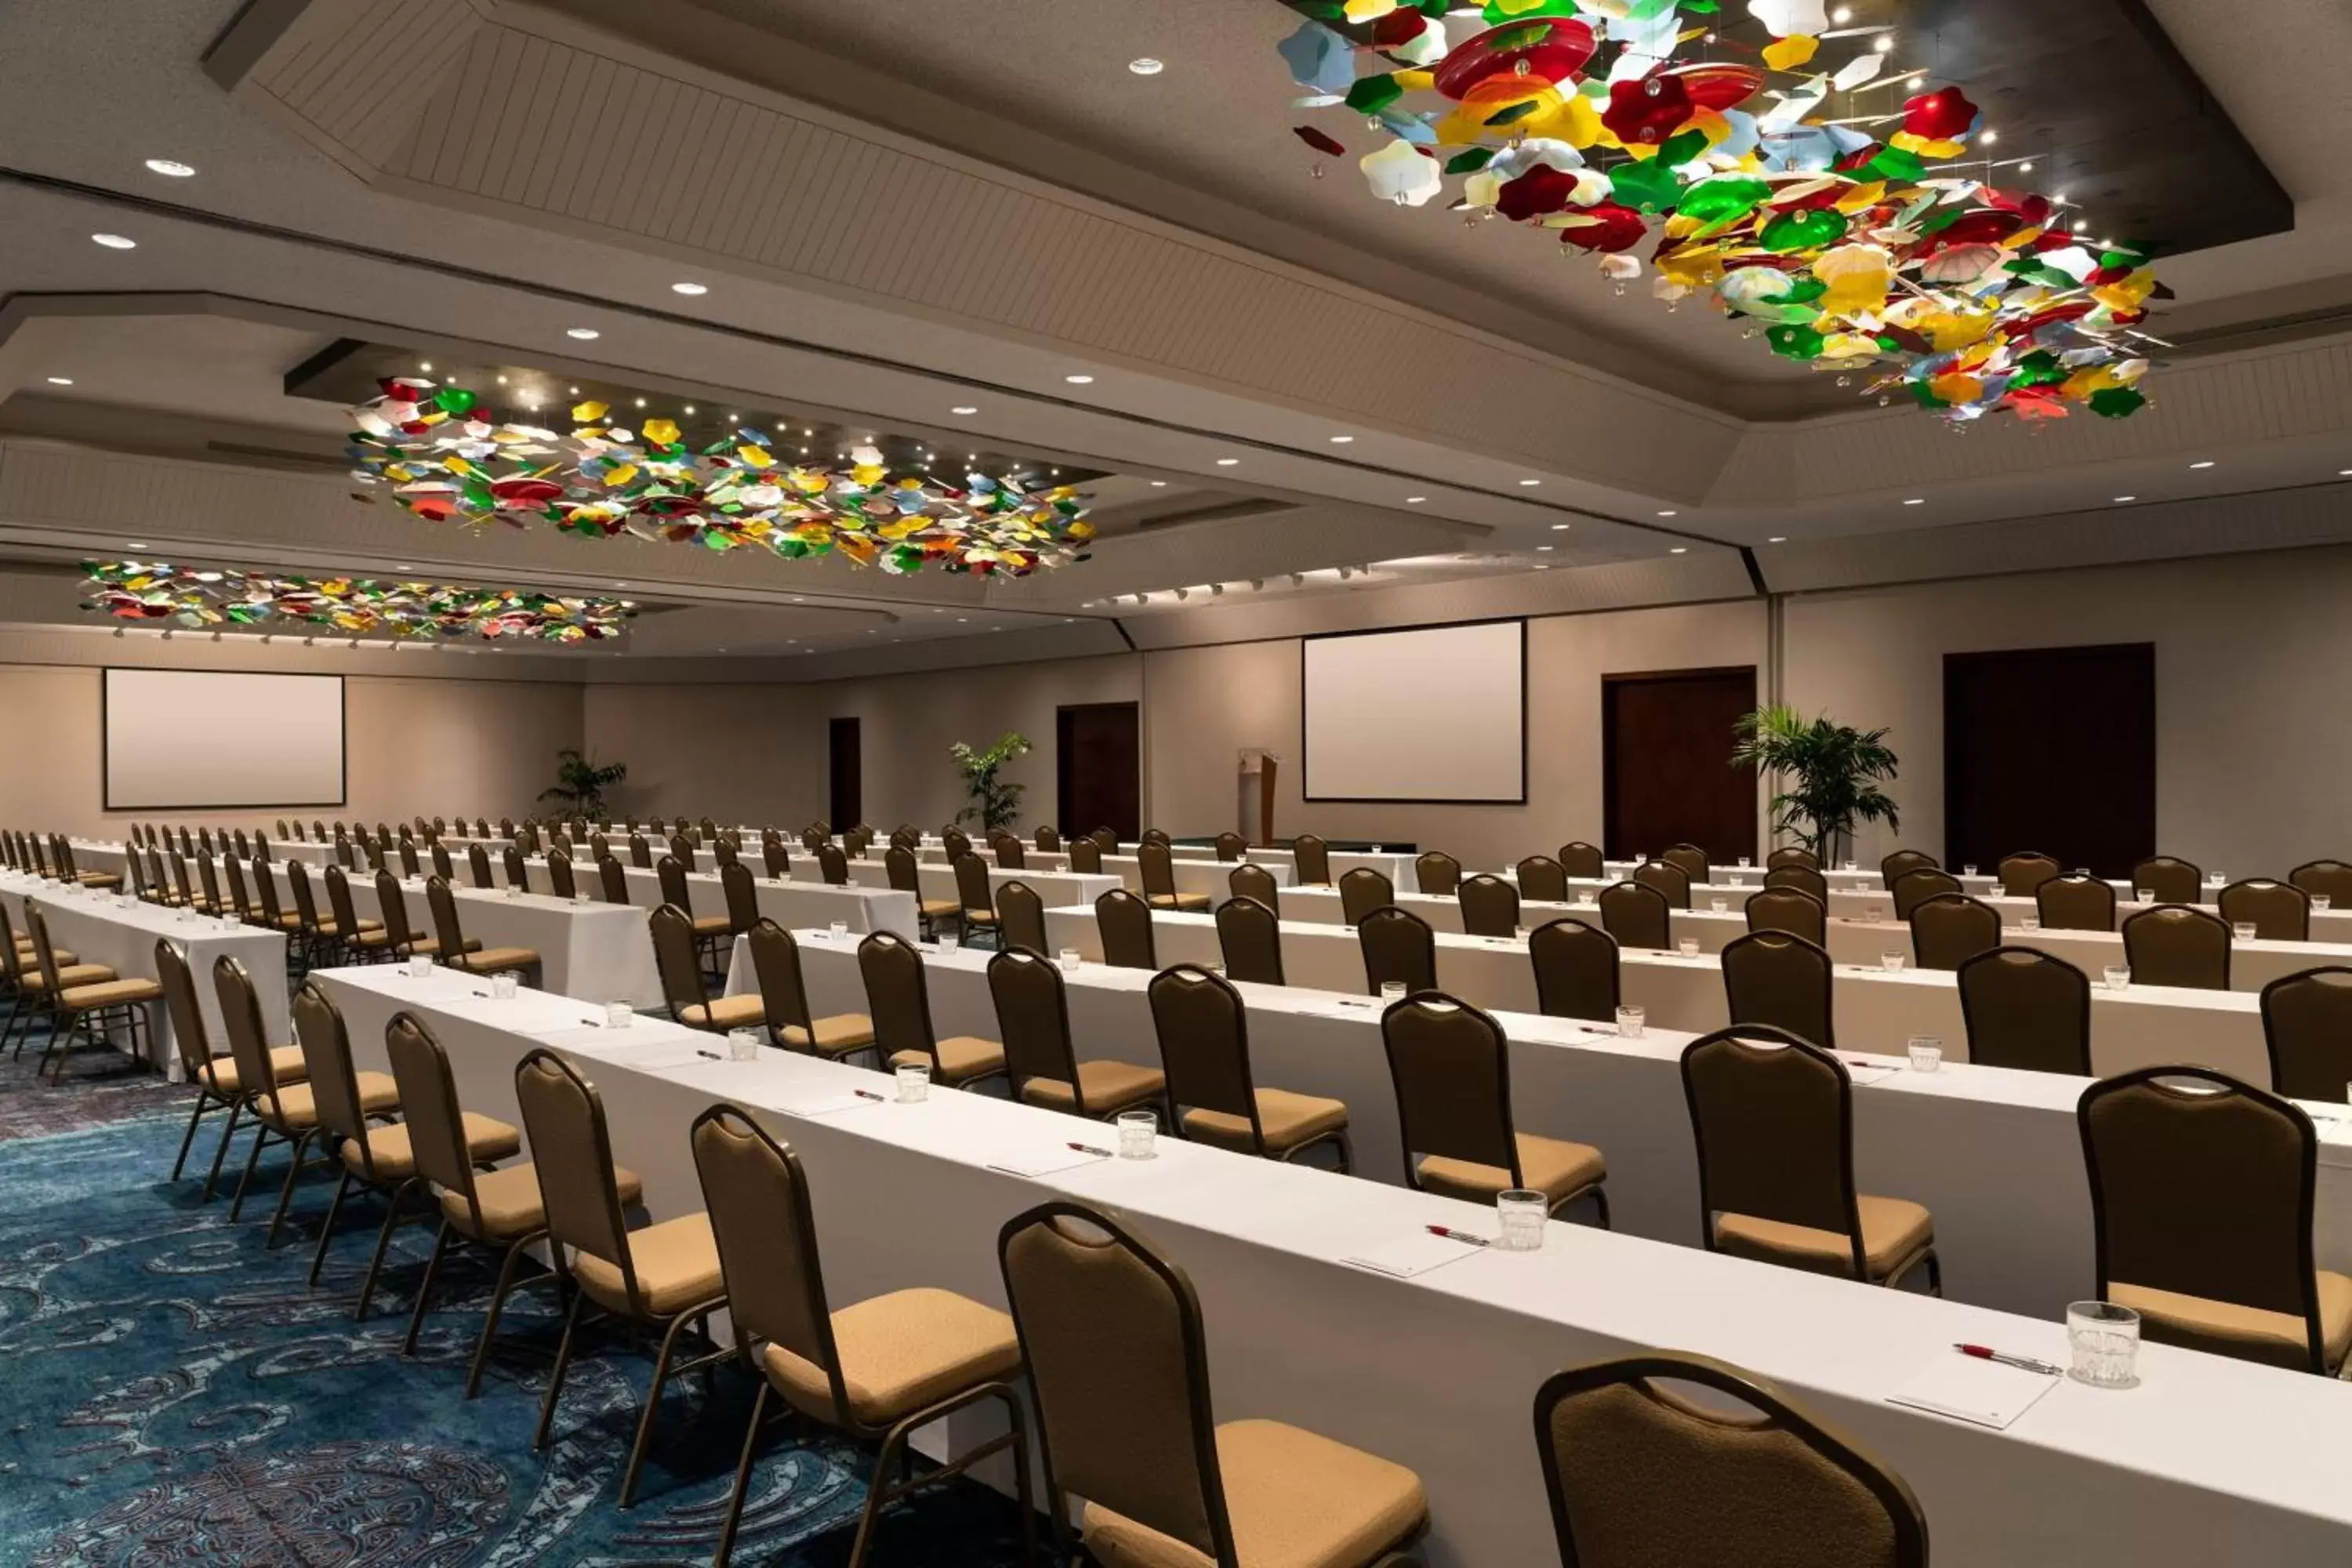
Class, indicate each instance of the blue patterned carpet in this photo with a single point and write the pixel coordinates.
(177, 1395)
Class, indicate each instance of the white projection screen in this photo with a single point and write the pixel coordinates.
(1437, 714)
(177, 740)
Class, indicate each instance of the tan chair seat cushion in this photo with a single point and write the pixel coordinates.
(1180, 900)
(298, 1107)
(329, 927)
(677, 1263)
(941, 908)
(286, 1062)
(512, 1205)
(491, 960)
(712, 925)
(1894, 1232)
(1295, 1500)
(111, 994)
(487, 1139)
(2249, 1333)
(25, 955)
(744, 1012)
(424, 946)
(1109, 1086)
(366, 936)
(835, 1036)
(1287, 1120)
(900, 1353)
(962, 1058)
(69, 976)
(1553, 1166)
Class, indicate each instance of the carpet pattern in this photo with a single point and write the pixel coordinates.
(178, 1394)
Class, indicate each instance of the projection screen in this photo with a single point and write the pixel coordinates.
(182, 739)
(1437, 714)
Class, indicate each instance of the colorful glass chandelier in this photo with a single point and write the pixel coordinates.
(447, 457)
(1856, 217)
(351, 607)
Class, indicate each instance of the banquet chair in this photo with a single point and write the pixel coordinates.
(1667, 877)
(478, 865)
(1251, 880)
(2307, 1031)
(1156, 866)
(1086, 856)
(274, 917)
(783, 1000)
(1576, 970)
(1249, 941)
(974, 897)
(613, 880)
(898, 1001)
(1010, 856)
(527, 836)
(2024, 1008)
(561, 882)
(2178, 945)
(2328, 879)
(742, 895)
(600, 844)
(712, 932)
(444, 867)
(905, 877)
(877, 1370)
(357, 940)
(506, 828)
(1952, 928)
(832, 865)
(67, 871)
(410, 866)
(1915, 887)
(1033, 1014)
(205, 840)
(261, 847)
(210, 901)
(1361, 892)
(1542, 880)
(33, 986)
(1490, 906)
(89, 999)
(400, 939)
(343, 854)
(1894, 867)
(1102, 1315)
(2279, 912)
(2202, 1211)
(240, 898)
(1637, 915)
(2022, 873)
(1203, 1033)
(814, 835)
(664, 1276)
(1804, 879)
(1640, 1474)
(1450, 1066)
(1048, 842)
(472, 957)
(499, 1209)
(1772, 1117)
(682, 847)
(954, 842)
(641, 854)
(1020, 916)
(1155, 836)
(2075, 903)
(1312, 858)
(321, 939)
(281, 827)
(778, 859)
(1790, 909)
(1773, 977)
(1436, 872)
(214, 1074)
(1399, 948)
(2177, 882)
(1232, 847)
(1124, 924)
(1691, 861)
(678, 959)
(517, 867)
(1582, 860)
(287, 1113)
(906, 835)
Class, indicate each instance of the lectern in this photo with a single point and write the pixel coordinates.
(1256, 796)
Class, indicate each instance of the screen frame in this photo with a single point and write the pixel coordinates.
(106, 739)
(1305, 753)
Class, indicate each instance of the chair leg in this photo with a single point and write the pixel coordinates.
(253, 1158)
(743, 1478)
(653, 1403)
(228, 1135)
(424, 1289)
(490, 1324)
(382, 1242)
(204, 1101)
(878, 1493)
(1601, 1203)
(555, 1377)
(327, 1230)
(286, 1192)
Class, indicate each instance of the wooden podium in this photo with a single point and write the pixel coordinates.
(1256, 796)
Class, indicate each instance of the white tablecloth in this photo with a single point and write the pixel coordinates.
(1211, 879)
(2208, 1460)
(790, 903)
(938, 880)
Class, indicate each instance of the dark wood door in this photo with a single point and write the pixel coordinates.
(2053, 749)
(1098, 770)
(847, 794)
(1666, 774)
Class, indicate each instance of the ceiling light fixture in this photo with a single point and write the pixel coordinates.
(1529, 484)
(1341, 440)
(1778, 539)
(2026, 167)
(1414, 500)
(1558, 527)
(60, 380)
(1146, 66)
(690, 288)
(1670, 515)
(2207, 464)
(1159, 484)
(1543, 547)
(1079, 379)
(963, 408)
(171, 167)
(1227, 462)
(1679, 550)
(1841, 15)
(1915, 500)
(116, 241)
(2120, 499)
(585, 334)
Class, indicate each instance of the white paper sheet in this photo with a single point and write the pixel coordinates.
(1403, 1256)
(1043, 1162)
(1984, 1393)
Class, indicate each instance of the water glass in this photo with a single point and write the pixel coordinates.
(580, 897)
(1522, 1214)
(743, 1045)
(1848, 865)
(949, 943)
(1892, 962)
(1718, 906)
(1070, 958)
(503, 984)
(1630, 1021)
(2105, 1340)
(1926, 1053)
(2029, 922)
(1392, 993)
(417, 967)
(1874, 911)
(2242, 930)
(1745, 861)
(1968, 870)
(1687, 946)
(514, 889)
(1136, 1130)
(619, 1015)
(2118, 977)
(2318, 901)
(839, 928)
(914, 1082)
(2144, 895)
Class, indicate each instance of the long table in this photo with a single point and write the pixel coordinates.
(938, 880)
(2208, 1460)
(789, 903)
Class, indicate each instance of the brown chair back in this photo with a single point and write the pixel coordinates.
(339, 898)
(571, 1151)
(1773, 977)
(1578, 859)
(1032, 1017)
(2177, 882)
(1436, 872)
(1804, 879)
(1249, 936)
(776, 965)
(2075, 903)
(972, 885)
(2332, 878)
(1124, 921)
(2279, 912)
(409, 864)
(1255, 881)
(641, 854)
(447, 930)
(2024, 1008)
(1399, 948)
(1203, 1033)
(560, 879)
(1490, 906)
(1021, 917)
(443, 866)
(477, 863)
(898, 999)
(903, 871)
(1010, 854)
(1085, 857)
(757, 1197)
(334, 1082)
(1690, 860)
(1951, 929)
(1668, 878)
(1543, 881)
(1451, 1068)
(428, 1105)
(2205, 1186)
(955, 842)
(248, 1043)
(675, 889)
(179, 1003)
(1312, 857)
(681, 846)
(1231, 847)
(613, 880)
(1902, 862)
(1361, 892)
(1157, 868)
(778, 859)
(392, 909)
(1915, 887)
(1106, 840)
(1637, 915)
(2307, 1027)
(2178, 945)
(1791, 910)
(678, 964)
(517, 865)
(298, 882)
(2022, 874)
(1048, 842)
(1576, 970)
(833, 863)
(742, 896)
(1772, 1115)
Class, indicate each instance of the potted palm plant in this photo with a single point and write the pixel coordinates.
(581, 781)
(1825, 775)
(995, 802)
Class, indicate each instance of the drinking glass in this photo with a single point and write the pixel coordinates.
(2118, 977)
(2319, 901)
(1874, 911)
(1745, 861)
(2144, 895)
(418, 967)
(1392, 993)
(1522, 1214)
(1718, 906)
(914, 1083)
(1687, 946)
(839, 928)
(2242, 930)
(2105, 1340)
(1847, 866)
(743, 1045)
(1926, 1053)
(1968, 870)
(948, 942)
(1630, 1020)
(1071, 958)
(1891, 961)
(503, 984)
(2029, 922)
(1136, 1130)
(618, 1014)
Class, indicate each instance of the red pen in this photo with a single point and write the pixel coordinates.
(2026, 1363)
(1090, 1149)
(1452, 1235)
(866, 1094)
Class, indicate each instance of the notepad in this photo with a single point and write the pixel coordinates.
(1982, 1392)
(1406, 1255)
(1043, 1162)
(579, 1037)
(821, 1105)
(1870, 1072)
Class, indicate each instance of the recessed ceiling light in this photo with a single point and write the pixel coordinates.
(1884, 44)
(2207, 464)
(1159, 484)
(583, 333)
(1915, 500)
(1414, 500)
(1679, 550)
(1841, 15)
(1341, 440)
(60, 380)
(689, 408)
(641, 403)
(1557, 527)
(1778, 539)
(116, 241)
(1529, 484)
(2026, 167)
(1987, 137)
(1146, 66)
(689, 287)
(1227, 462)
(2120, 499)
(170, 166)
(2344, 473)
(136, 545)
(1079, 379)
(1543, 547)
(1670, 515)
(963, 408)
(1543, 565)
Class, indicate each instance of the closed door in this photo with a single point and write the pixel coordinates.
(1098, 769)
(1668, 778)
(2052, 750)
(846, 796)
